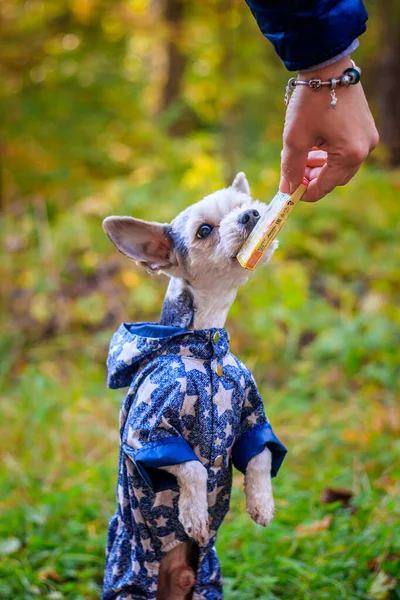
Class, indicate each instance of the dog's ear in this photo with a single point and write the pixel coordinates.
(240, 183)
(147, 243)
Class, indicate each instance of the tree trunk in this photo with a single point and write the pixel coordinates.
(174, 11)
(389, 82)
(230, 125)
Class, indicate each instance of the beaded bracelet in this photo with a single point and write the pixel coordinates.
(350, 76)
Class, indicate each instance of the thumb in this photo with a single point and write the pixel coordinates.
(293, 165)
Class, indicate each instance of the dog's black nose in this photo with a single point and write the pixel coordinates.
(249, 218)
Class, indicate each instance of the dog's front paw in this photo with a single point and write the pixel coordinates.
(261, 509)
(195, 521)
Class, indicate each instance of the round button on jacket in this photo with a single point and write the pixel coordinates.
(218, 370)
(218, 461)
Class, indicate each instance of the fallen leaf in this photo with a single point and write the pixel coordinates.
(381, 586)
(315, 527)
(50, 573)
(330, 495)
(374, 564)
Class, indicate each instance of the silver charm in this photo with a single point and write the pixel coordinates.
(291, 84)
(333, 93)
(345, 80)
(315, 84)
(287, 95)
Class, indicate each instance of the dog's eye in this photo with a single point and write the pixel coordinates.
(204, 231)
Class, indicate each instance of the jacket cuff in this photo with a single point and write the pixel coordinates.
(166, 452)
(349, 50)
(253, 442)
(304, 38)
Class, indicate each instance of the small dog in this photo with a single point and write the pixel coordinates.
(192, 408)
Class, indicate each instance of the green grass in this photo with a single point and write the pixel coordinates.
(319, 329)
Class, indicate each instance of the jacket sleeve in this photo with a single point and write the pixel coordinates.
(308, 32)
(151, 436)
(255, 433)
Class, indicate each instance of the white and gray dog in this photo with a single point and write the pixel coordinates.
(197, 251)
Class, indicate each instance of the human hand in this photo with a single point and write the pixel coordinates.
(347, 134)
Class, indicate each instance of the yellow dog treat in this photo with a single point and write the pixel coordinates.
(268, 226)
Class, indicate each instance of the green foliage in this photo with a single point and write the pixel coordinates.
(87, 136)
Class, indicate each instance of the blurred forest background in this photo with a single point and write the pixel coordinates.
(142, 107)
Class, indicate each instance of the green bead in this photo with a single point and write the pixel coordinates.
(353, 74)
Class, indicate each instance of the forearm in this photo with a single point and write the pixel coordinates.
(313, 31)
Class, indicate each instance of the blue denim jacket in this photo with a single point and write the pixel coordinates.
(189, 398)
(308, 32)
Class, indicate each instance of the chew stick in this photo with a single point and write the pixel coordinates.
(269, 226)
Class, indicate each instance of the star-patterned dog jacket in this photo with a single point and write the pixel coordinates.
(189, 398)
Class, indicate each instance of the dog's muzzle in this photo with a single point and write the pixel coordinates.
(249, 219)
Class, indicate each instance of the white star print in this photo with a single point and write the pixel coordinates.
(223, 400)
(228, 430)
(165, 425)
(247, 401)
(122, 416)
(197, 452)
(146, 544)
(229, 360)
(119, 526)
(161, 521)
(149, 567)
(175, 364)
(208, 390)
(188, 405)
(153, 587)
(137, 513)
(129, 350)
(192, 363)
(182, 381)
(144, 392)
(165, 498)
(166, 540)
(212, 496)
(252, 418)
(122, 501)
(132, 439)
(139, 493)
(153, 420)
(185, 432)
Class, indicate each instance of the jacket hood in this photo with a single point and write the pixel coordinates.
(133, 342)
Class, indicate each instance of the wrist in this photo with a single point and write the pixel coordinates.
(325, 73)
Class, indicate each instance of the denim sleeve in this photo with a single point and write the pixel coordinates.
(255, 433)
(152, 434)
(309, 32)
